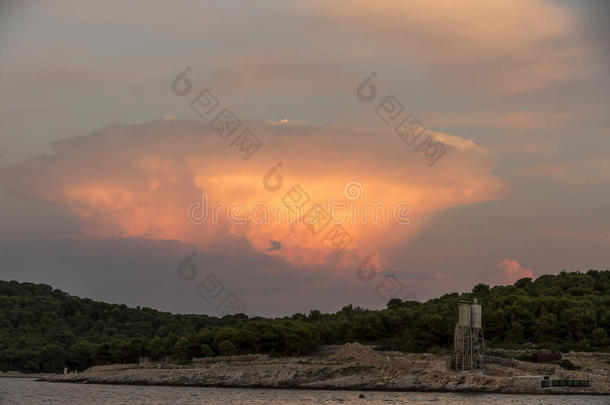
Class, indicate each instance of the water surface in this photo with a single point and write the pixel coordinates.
(25, 391)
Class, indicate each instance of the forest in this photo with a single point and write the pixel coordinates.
(44, 329)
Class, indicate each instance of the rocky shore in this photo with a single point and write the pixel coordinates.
(348, 367)
(17, 374)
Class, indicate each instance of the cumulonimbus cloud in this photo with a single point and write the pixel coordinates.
(139, 180)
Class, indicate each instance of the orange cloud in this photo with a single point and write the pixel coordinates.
(511, 271)
(140, 179)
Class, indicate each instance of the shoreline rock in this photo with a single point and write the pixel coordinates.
(18, 374)
(349, 367)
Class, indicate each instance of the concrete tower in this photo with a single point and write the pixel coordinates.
(468, 340)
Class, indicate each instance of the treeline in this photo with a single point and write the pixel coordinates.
(44, 330)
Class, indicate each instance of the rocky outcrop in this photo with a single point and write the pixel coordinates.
(348, 367)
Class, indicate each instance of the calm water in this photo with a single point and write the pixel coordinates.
(24, 391)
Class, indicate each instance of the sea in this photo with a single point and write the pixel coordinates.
(25, 391)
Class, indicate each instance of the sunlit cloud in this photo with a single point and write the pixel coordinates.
(510, 271)
(140, 180)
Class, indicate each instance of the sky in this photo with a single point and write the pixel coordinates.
(275, 157)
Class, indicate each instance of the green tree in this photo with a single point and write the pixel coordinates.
(600, 336)
(227, 348)
(53, 357)
(481, 289)
(206, 350)
(42, 329)
(80, 353)
(137, 348)
(515, 334)
(184, 349)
